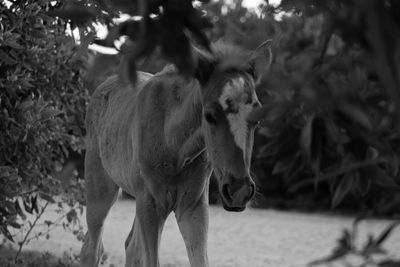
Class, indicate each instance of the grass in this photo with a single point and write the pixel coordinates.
(34, 258)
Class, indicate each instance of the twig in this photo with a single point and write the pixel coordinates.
(22, 243)
(49, 228)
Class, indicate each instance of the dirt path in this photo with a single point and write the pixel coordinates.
(257, 238)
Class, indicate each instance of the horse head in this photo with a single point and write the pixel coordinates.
(228, 79)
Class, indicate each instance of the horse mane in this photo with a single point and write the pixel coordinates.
(227, 55)
(224, 57)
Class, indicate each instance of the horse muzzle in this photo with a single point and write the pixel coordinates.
(237, 193)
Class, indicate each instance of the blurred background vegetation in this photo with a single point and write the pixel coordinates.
(329, 137)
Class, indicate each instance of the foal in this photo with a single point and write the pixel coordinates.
(160, 141)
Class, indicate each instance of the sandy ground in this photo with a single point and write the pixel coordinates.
(258, 238)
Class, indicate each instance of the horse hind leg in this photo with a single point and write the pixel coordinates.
(101, 193)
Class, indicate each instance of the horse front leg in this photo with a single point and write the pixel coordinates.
(193, 224)
(144, 239)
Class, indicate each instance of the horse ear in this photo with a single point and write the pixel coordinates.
(205, 67)
(261, 59)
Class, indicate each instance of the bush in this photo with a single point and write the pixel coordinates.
(330, 128)
(43, 103)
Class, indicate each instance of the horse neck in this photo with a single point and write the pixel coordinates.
(186, 131)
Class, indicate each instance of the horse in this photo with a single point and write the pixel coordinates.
(160, 139)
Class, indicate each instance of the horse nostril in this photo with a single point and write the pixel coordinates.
(225, 193)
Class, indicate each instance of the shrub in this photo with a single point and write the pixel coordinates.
(329, 120)
(43, 100)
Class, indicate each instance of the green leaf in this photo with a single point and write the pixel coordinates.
(46, 197)
(364, 185)
(71, 215)
(19, 210)
(49, 113)
(13, 42)
(357, 114)
(6, 233)
(27, 208)
(10, 207)
(6, 59)
(345, 186)
(34, 204)
(15, 225)
(307, 136)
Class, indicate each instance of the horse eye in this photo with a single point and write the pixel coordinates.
(210, 117)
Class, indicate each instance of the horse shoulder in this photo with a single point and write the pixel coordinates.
(154, 106)
(110, 119)
(111, 86)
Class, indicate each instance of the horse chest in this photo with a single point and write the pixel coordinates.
(168, 170)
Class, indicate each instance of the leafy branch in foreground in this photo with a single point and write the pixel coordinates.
(347, 246)
(31, 226)
(170, 27)
(37, 225)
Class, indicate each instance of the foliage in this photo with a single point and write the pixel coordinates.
(43, 102)
(168, 27)
(372, 25)
(329, 117)
(347, 246)
(236, 24)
